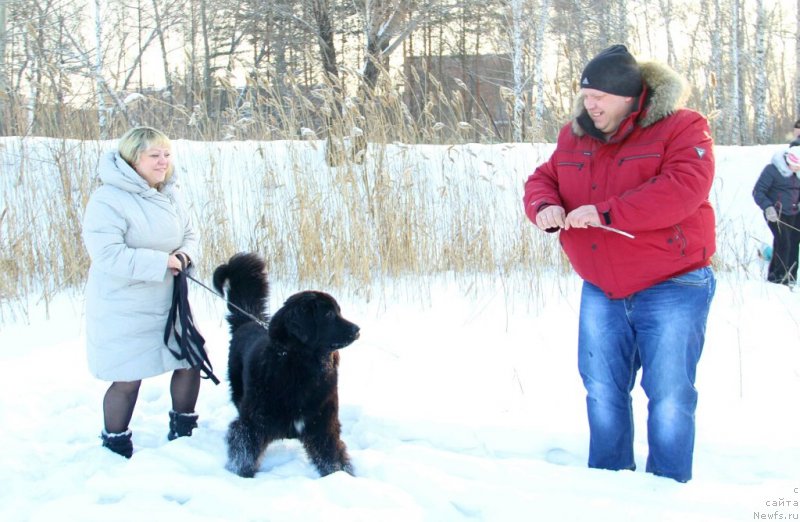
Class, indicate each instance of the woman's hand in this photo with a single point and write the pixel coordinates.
(177, 261)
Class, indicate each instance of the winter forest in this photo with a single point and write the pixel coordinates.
(413, 71)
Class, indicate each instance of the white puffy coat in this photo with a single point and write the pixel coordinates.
(129, 230)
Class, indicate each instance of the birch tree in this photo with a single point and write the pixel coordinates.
(538, 71)
(797, 63)
(519, 31)
(49, 60)
(619, 10)
(205, 36)
(320, 12)
(577, 46)
(735, 94)
(716, 60)
(92, 63)
(386, 24)
(102, 123)
(33, 75)
(526, 33)
(666, 12)
(159, 16)
(761, 123)
(5, 91)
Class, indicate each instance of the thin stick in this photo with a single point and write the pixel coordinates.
(612, 229)
(784, 223)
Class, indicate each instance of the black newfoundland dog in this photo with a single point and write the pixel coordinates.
(283, 376)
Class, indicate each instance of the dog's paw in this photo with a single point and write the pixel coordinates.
(327, 468)
(241, 470)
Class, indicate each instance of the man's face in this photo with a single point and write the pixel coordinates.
(606, 110)
(797, 132)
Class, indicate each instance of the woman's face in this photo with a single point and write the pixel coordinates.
(153, 164)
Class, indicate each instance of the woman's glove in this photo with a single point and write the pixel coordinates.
(771, 214)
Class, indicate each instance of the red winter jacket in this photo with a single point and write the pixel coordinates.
(652, 179)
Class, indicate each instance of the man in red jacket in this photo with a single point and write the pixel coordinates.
(627, 187)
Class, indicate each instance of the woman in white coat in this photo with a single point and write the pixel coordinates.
(136, 231)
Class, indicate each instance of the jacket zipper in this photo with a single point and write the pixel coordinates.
(578, 164)
(679, 235)
(640, 156)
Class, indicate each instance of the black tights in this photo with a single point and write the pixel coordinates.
(118, 405)
(184, 388)
(121, 396)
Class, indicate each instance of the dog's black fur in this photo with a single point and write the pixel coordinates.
(283, 379)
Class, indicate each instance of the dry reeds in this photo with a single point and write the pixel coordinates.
(403, 211)
(338, 196)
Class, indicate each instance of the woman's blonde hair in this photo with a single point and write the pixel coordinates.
(137, 140)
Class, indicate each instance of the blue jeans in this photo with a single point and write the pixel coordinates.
(661, 330)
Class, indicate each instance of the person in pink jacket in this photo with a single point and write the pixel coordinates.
(627, 191)
(777, 194)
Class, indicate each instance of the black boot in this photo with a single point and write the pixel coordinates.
(119, 443)
(181, 424)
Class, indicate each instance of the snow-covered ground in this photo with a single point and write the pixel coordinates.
(461, 401)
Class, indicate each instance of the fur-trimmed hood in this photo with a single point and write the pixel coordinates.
(665, 92)
(779, 160)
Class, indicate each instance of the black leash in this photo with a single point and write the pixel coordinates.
(181, 323)
(247, 314)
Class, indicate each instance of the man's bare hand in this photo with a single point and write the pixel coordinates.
(550, 217)
(582, 217)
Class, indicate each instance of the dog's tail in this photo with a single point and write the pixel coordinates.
(243, 280)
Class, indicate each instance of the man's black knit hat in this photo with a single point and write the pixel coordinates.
(614, 71)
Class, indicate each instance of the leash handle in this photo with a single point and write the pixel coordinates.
(184, 260)
(180, 323)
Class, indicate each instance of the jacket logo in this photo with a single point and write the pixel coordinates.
(700, 151)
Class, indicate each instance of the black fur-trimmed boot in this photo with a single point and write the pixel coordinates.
(119, 443)
(181, 424)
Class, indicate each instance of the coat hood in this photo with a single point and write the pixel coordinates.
(115, 171)
(779, 161)
(665, 92)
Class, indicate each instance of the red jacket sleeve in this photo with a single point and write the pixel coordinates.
(541, 187)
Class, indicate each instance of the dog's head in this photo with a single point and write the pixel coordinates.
(313, 319)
